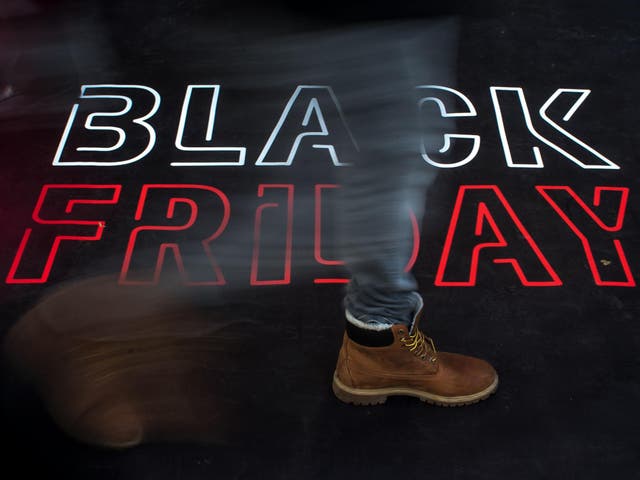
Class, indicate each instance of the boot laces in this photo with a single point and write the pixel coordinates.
(420, 345)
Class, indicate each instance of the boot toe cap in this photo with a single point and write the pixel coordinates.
(466, 375)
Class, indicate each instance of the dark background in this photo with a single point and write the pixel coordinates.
(567, 356)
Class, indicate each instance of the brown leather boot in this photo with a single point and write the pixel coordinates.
(118, 366)
(374, 364)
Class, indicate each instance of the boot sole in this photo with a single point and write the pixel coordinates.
(377, 396)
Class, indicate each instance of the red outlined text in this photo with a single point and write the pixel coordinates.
(485, 239)
(614, 270)
(52, 222)
(484, 236)
(188, 237)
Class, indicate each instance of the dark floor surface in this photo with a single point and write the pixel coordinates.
(567, 354)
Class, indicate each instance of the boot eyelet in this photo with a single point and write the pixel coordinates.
(433, 359)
